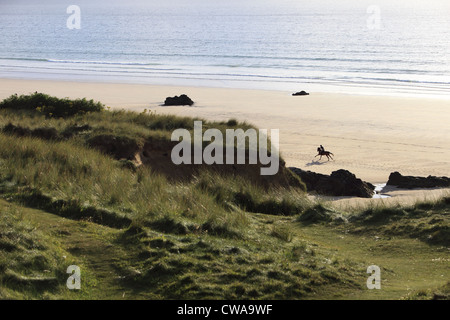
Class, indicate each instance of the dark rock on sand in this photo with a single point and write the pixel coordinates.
(410, 182)
(182, 100)
(301, 93)
(339, 183)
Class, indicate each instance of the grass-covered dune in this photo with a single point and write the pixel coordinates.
(82, 185)
(135, 138)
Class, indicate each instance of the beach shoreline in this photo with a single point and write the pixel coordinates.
(371, 136)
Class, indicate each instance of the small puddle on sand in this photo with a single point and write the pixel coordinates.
(378, 189)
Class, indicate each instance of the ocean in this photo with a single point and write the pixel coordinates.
(349, 46)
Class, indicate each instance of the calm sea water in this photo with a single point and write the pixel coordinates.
(396, 47)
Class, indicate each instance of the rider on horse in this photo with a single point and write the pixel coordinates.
(321, 152)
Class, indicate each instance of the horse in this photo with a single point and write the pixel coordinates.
(328, 154)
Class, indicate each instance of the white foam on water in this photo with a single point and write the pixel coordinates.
(378, 189)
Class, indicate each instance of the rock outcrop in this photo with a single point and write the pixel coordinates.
(339, 183)
(301, 93)
(182, 100)
(411, 182)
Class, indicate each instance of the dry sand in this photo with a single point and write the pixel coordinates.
(370, 136)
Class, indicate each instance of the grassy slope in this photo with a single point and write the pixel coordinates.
(142, 263)
(316, 261)
(135, 235)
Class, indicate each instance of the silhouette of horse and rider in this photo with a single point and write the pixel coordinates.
(321, 152)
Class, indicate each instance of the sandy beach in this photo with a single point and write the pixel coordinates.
(370, 136)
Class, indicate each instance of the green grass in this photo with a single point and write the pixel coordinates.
(65, 176)
(23, 111)
(440, 293)
(427, 221)
(138, 235)
(142, 263)
(31, 262)
(238, 192)
(407, 265)
(51, 106)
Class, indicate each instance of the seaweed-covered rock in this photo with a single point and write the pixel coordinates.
(182, 100)
(301, 93)
(411, 182)
(339, 183)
